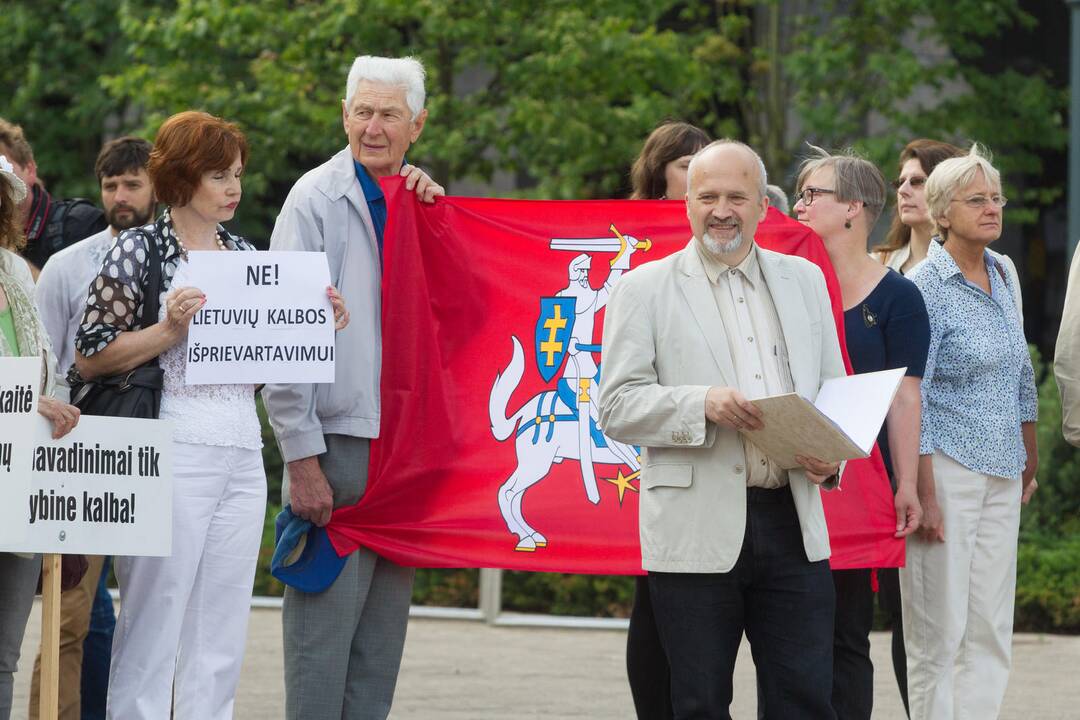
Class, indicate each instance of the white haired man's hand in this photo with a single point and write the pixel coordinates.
(416, 179)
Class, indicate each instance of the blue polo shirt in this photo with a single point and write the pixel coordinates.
(376, 202)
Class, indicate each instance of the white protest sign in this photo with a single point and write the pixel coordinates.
(267, 318)
(105, 488)
(19, 379)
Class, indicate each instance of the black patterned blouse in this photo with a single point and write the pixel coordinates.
(115, 302)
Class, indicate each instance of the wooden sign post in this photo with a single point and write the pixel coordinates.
(49, 699)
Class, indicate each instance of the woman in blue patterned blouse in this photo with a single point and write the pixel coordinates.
(977, 455)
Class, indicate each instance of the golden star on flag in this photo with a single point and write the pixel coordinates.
(623, 482)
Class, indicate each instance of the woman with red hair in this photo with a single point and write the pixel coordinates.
(183, 619)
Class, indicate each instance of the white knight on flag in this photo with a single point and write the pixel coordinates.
(562, 423)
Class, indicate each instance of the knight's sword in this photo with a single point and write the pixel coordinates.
(616, 244)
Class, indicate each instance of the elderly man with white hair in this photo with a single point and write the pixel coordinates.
(343, 644)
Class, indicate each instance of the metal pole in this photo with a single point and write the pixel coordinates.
(1074, 128)
(490, 594)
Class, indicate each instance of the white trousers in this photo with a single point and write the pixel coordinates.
(183, 619)
(958, 597)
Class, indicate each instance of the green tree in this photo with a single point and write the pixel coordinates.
(52, 55)
(877, 73)
(559, 93)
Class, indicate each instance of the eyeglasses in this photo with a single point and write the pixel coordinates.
(915, 181)
(978, 202)
(807, 195)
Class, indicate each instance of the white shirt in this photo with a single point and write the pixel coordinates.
(219, 415)
(61, 292)
(757, 346)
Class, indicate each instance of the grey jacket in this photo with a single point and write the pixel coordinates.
(326, 211)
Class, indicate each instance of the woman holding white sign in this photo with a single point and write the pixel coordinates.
(840, 197)
(21, 335)
(183, 619)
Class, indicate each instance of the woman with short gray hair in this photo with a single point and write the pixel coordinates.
(978, 454)
(840, 197)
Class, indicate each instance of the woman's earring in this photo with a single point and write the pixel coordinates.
(847, 224)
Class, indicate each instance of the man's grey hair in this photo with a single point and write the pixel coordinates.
(954, 174)
(407, 73)
(763, 185)
(778, 199)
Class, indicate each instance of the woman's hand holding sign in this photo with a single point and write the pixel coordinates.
(63, 417)
(180, 306)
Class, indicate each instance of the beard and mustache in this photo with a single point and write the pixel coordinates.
(722, 247)
(124, 217)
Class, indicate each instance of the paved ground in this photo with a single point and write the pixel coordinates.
(456, 669)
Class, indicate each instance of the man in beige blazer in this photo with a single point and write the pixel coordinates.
(732, 542)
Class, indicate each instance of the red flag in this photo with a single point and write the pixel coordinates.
(478, 461)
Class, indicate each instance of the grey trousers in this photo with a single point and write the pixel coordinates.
(18, 580)
(343, 646)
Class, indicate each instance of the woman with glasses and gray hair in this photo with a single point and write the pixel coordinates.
(978, 454)
(908, 240)
(906, 245)
(840, 197)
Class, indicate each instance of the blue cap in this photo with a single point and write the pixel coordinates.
(303, 558)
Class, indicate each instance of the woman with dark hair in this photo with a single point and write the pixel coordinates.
(658, 173)
(909, 235)
(21, 335)
(180, 636)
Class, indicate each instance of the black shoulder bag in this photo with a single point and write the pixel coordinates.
(136, 393)
(69, 222)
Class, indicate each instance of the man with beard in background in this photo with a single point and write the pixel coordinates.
(128, 199)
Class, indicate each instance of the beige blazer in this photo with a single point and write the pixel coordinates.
(1066, 356)
(663, 349)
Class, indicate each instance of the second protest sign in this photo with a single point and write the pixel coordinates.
(267, 318)
(105, 488)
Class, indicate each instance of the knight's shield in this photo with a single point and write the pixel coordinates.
(554, 329)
